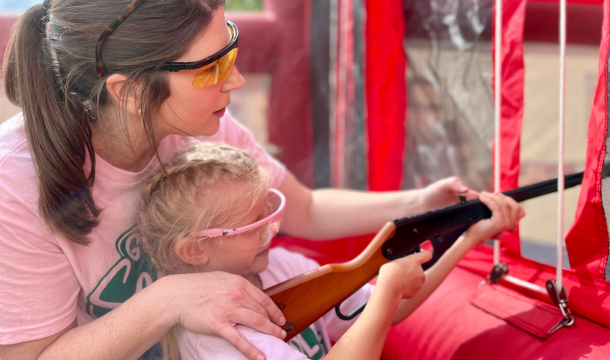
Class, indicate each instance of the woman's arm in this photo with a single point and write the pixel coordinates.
(334, 213)
(210, 303)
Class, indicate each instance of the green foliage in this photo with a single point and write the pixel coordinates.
(244, 5)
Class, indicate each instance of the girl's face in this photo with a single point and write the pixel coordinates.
(241, 254)
(196, 111)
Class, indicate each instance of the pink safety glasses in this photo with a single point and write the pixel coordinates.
(267, 227)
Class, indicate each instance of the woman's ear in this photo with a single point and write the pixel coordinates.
(192, 251)
(114, 85)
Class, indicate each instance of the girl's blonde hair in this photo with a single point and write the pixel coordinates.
(201, 188)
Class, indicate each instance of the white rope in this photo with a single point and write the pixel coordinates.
(497, 110)
(560, 170)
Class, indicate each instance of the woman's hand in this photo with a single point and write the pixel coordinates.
(443, 193)
(405, 276)
(213, 303)
(505, 214)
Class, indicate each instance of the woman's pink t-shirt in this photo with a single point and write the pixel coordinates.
(46, 281)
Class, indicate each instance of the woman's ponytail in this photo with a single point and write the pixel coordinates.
(57, 127)
(50, 72)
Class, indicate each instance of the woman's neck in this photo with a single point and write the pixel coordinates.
(126, 148)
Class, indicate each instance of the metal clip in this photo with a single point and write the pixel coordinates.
(560, 299)
(497, 273)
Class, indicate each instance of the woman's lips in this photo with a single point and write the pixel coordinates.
(220, 112)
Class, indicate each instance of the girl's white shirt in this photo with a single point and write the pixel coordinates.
(312, 343)
(46, 281)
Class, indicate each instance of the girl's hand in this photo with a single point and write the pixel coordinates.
(405, 275)
(443, 193)
(213, 303)
(505, 214)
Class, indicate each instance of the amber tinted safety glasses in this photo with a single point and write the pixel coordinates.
(215, 68)
(212, 70)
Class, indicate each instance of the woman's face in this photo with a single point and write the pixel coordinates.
(196, 111)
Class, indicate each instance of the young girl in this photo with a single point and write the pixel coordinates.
(212, 210)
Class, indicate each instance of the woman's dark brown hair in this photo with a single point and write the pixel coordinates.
(50, 72)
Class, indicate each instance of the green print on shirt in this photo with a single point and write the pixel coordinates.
(133, 272)
(309, 344)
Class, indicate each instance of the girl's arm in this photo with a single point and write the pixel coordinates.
(396, 294)
(505, 213)
(209, 303)
(397, 280)
(333, 213)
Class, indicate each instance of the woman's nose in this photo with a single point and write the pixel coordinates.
(234, 81)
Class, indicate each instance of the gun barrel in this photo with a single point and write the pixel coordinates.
(544, 188)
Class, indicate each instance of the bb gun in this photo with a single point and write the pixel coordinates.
(307, 297)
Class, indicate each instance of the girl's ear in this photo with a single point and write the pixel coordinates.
(192, 251)
(114, 85)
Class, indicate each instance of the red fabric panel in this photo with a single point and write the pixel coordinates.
(447, 326)
(588, 297)
(386, 93)
(513, 18)
(587, 241)
(526, 313)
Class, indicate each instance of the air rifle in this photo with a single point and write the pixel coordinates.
(307, 297)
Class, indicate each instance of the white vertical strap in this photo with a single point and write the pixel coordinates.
(334, 79)
(497, 109)
(560, 170)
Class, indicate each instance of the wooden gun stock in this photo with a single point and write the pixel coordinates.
(307, 297)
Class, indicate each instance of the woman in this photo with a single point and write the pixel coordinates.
(99, 116)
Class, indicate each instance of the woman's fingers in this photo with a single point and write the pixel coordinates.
(239, 341)
(471, 195)
(256, 321)
(456, 185)
(264, 301)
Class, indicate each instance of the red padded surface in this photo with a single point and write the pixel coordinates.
(528, 314)
(448, 326)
